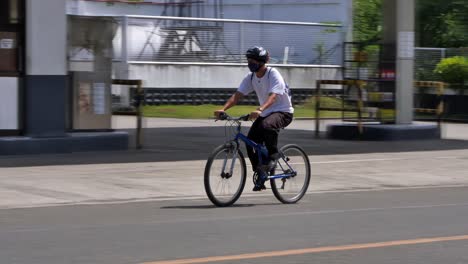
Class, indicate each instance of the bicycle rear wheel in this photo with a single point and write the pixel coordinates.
(291, 189)
(225, 174)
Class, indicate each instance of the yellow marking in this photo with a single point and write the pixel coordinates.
(312, 250)
(438, 85)
(425, 110)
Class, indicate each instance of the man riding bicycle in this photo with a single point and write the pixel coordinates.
(275, 110)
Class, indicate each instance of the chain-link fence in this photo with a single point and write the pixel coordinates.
(426, 60)
(182, 39)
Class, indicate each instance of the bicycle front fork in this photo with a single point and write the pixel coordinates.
(233, 148)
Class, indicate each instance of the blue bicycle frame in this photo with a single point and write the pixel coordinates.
(239, 136)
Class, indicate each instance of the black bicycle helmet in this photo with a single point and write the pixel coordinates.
(258, 54)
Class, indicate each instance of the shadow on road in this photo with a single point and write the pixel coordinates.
(205, 206)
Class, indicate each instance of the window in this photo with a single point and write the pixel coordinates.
(14, 16)
(11, 36)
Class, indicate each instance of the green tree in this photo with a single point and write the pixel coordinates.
(441, 23)
(367, 20)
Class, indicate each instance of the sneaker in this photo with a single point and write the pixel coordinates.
(259, 188)
(261, 177)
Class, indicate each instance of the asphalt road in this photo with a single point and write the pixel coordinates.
(336, 227)
(400, 225)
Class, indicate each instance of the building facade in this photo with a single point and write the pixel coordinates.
(12, 50)
(34, 83)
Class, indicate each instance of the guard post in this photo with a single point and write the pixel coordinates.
(438, 110)
(359, 102)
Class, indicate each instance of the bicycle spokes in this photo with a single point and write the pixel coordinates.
(225, 175)
(292, 176)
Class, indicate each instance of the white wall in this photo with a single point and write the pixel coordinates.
(46, 30)
(215, 76)
(9, 103)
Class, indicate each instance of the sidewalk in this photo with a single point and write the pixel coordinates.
(123, 181)
(126, 182)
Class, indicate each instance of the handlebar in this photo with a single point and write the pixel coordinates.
(225, 116)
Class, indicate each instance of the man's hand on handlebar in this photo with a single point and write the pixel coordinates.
(219, 114)
(255, 114)
(222, 115)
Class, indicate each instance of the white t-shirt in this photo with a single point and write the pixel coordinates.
(271, 82)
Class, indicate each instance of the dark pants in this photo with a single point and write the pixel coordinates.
(266, 130)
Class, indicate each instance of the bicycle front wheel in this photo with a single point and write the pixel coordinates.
(225, 174)
(293, 161)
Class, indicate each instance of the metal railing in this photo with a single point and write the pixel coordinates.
(437, 106)
(357, 102)
(426, 60)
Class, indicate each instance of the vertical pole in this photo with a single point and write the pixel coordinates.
(124, 39)
(343, 98)
(440, 106)
(46, 75)
(360, 106)
(405, 60)
(123, 74)
(286, 55)
(139, 134)
(317, 109)
(241, 42)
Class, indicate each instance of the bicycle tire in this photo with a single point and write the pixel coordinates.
(296, 157)
(213, 173)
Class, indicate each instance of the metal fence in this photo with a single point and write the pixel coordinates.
(183, 39)
(426, 60)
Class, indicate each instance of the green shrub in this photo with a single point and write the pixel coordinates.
(453, 70)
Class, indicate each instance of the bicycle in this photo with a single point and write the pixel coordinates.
(225, 170)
